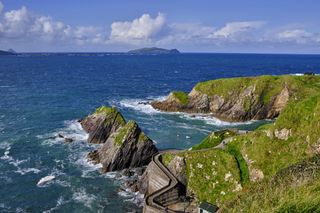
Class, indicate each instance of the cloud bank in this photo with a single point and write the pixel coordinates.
(22, 26)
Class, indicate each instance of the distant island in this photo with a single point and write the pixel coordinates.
(153, 50)
(8, 52)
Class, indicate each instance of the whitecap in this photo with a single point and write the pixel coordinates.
(88, 168)
(7, 147)
(142, 105)
(60, 201)
(111, 174)
(81, 196)
(27, 170)
(211, 120)
(71, 130)
(133, 197)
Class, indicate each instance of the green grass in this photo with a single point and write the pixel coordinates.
(142, 137)
(213, 175)
(242, 164)
(261, 151)
(112, 112)
(124, 131)
(181, 96)
(265, 87)
(294, 189)
(166, 158)
(214, 139)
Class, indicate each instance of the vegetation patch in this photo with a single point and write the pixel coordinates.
(242, 164)
(123, 132)
(181, 96)
(112, 112)
(294, 189)
(265, 87)
(214, 139)
(213, 175)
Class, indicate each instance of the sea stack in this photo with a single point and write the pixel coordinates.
(124, 144)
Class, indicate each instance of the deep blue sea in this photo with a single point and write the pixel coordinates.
(43, 95)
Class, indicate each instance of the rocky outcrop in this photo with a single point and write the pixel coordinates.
(237, 99)
(178, 168)
(124, 144)
(102, 123)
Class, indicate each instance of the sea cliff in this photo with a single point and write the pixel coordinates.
(241, 99)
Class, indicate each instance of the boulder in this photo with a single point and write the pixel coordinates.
(177, 167)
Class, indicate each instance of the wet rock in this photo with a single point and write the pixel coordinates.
(68, 140)
(94, 156)
(60, 135)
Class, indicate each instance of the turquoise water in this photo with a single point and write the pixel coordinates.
(43, 95)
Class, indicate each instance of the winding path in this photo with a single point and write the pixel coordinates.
(151, 205)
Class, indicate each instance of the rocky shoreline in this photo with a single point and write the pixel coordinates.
(236, 99)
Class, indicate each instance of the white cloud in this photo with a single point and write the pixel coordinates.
(236, 30)
(1, 7)
(25, 28)
(24, 25)
(139, 30)
(298, 35)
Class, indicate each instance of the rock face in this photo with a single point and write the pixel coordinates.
(124, 144)
(178, 168)
(101, 124)
(238, 99)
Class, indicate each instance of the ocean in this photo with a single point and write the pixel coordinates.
(42, 95)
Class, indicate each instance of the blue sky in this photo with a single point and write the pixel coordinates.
(273, 26)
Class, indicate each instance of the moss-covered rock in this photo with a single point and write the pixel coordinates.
(127, 148)
(102, 123)
(241, 99)
(124, 144)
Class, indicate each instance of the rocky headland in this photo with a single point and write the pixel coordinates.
(241, 99)
(274, 168)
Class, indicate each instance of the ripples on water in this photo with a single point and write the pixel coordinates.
(42, 96)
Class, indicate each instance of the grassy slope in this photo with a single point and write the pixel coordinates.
(212, 175)
(266, 154)
(182, 97)
(267, 86)
(294, 189)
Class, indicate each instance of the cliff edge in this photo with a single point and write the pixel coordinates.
(242, 99)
